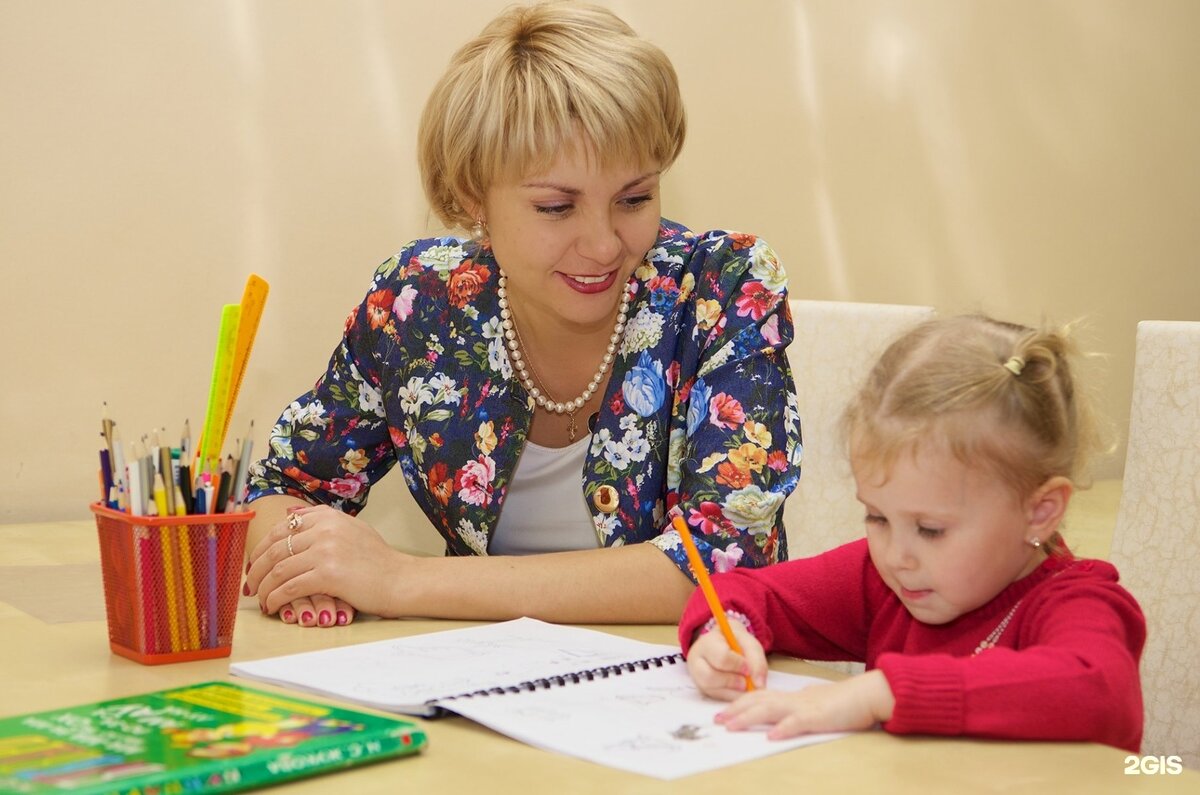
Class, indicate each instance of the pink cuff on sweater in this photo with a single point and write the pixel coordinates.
(741, 618)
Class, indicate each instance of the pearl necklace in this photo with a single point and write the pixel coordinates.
(994, 635)
(528, 376)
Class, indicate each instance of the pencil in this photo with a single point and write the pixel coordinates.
(228, 576)
(168, 565)
(164, 469)
(243, 467)
(710, 593)
(118, 467)
(106, 430)
(212, 587)
(190, 621)
(143, 565)
(136, 506)
(168, 591)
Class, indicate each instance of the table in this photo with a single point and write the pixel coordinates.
(56, 654)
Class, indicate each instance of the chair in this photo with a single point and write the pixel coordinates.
(1156, 542)
(836, 344)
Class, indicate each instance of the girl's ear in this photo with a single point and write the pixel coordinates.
(1046, 507)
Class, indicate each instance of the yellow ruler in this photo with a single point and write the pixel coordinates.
(254, 298)
(218, 393)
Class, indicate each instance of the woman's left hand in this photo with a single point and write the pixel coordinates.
(332, 556)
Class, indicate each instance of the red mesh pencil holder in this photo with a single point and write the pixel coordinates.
(171, 584)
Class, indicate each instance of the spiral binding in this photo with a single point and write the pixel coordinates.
(560, 680)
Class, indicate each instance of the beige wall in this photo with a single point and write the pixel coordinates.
(1030, 158)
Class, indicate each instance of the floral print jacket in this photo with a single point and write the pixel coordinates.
(700, 411)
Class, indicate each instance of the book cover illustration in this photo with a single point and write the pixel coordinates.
(208, 737)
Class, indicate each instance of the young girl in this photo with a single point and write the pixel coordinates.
(971, 615)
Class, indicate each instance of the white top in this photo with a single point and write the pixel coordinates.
(544, 510)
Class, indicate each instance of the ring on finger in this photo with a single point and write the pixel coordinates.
(289, 545)
(295, 521)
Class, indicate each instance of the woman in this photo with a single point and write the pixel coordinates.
(576, 338)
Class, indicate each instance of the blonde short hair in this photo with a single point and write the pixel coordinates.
(516, 95)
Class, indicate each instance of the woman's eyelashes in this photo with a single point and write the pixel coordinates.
(558, 210)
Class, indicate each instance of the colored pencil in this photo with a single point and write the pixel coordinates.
(239, 479)
(212, 587)
(169, 594)
(164, 468)
(106, 477)
(188, 583)
(706, 586)
(118, 465)
(143, 566)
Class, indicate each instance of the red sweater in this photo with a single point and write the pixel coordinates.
(1065, 668)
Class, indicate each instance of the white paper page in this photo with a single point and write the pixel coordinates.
(652, 722)
(401, 674)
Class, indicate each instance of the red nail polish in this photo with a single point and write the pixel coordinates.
(342, 617)
(306, 617)
(325, 619)
(287, 615)
(245, 589)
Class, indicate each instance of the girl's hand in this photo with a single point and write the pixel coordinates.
(719, 671)
(849, 705)
(337, 565)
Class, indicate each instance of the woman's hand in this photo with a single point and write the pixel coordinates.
(849, 705)
(336, 565)
(719, 671)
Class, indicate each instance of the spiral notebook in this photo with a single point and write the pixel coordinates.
(612, 700)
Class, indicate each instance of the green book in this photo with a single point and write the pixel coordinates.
(208, 737)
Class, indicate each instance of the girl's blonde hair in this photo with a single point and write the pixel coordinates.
(996, 394)
(516, 96)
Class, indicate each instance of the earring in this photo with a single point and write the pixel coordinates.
(1035, 542)
(478, 231)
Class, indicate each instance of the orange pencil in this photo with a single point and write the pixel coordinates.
(710, 593)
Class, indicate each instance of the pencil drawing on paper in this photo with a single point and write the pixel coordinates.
(688, 731)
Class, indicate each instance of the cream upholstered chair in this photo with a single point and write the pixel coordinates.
(1156, 543)
(835, 346)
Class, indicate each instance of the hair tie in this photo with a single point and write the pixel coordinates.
(1014, 365)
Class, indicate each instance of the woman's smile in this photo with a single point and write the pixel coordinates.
(590, 285)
